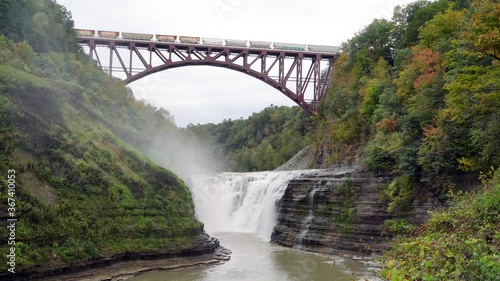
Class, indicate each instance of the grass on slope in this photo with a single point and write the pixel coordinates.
(82, 193)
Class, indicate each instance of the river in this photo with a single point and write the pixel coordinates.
(256, 260)
(239, 209)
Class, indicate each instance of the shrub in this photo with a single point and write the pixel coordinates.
(460, 243)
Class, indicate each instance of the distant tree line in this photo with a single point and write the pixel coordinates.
(263, 141)
(44, 24)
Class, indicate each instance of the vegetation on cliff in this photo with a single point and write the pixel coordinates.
(44, 24)
(82, 193)
(418, 97)
(460, 243)
(261, 142)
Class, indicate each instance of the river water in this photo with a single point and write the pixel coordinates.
(239, 209)
(256, 260)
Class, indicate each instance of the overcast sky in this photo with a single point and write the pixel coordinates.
(204, 94)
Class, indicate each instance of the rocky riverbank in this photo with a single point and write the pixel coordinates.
(204, 250)
(337, 211)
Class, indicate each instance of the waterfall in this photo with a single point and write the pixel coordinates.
(304, 229)
(240, 202)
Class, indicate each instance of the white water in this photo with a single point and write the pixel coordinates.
(304, 229)
(241, 202)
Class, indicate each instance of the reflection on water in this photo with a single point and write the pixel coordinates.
(255, 260)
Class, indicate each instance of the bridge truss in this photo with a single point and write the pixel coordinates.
(302, 76)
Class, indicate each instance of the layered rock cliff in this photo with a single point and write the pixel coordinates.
(337, 210)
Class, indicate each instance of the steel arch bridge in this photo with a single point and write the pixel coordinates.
(303, 76)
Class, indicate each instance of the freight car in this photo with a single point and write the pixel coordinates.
(166, 38)
(212, 41)
(290, 46)
(189, 39)
(260, 44)
(137, 36)
(236, 43)
(323, 49)
(108, 34)
(85, 32)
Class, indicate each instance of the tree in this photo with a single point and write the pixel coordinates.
(441, 30)
(482, 30)
(45, 25)
(373, 42)
(407, 20)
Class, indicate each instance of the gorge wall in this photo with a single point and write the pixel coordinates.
(338, 210)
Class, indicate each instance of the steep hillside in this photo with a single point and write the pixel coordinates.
(79, 192)
(418, 97)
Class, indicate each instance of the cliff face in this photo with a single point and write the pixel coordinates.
(337, 210)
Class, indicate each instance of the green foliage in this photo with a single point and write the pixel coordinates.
(400, 194)
(461, 243)
(44, 24)
(438, 32)
(408, 20)
(398, 226)
(383, 152)
(482, 31)
(347, 216)
(425, 110)
(264, 141)
(371, 43)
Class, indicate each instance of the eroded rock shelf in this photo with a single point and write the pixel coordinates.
(347, 213)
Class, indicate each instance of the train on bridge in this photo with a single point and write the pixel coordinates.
(207, 41)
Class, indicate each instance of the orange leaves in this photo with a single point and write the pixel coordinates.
(435, 142)
(388, 125)
(424, 79)
(428, 65)
(432, 132)
(425, 68)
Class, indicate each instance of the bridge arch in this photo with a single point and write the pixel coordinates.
(271, 82)
(303, 77)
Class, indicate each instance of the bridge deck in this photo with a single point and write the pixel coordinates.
(125, 43)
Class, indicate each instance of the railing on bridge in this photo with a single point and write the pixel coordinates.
(290, 68)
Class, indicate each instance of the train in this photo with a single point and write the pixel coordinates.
(207, 41)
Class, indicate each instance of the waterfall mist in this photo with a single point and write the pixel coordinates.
(184, 155)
